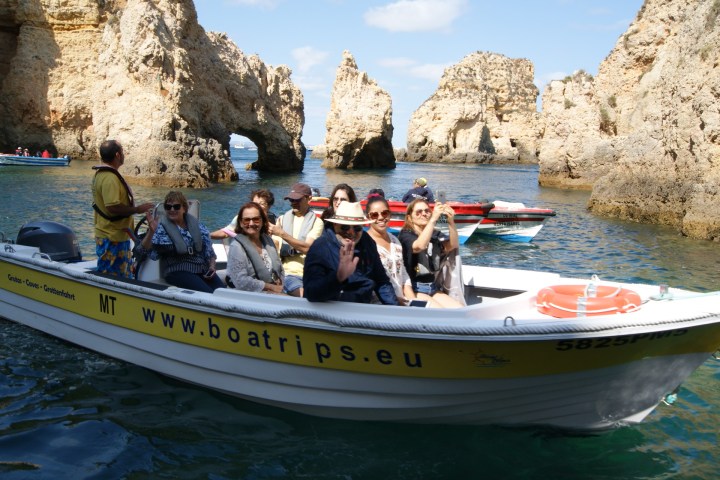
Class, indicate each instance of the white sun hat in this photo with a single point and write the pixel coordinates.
(349, 213)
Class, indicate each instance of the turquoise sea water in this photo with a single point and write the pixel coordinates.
(69, 413)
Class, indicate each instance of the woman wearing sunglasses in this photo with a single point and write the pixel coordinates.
(341, 193)
(253, 261)
(389, 248)
(343, 264)
(424, 247)
(183, 246)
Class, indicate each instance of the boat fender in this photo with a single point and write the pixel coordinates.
(569, 301)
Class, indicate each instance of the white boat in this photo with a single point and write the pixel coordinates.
(513, 222)
(19, 160)
(506, 359)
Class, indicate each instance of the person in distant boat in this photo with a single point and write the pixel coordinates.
(341, 193)
(419, 190)
(424, 248)
(183, 246)
(46, 154)
(262, 197)
(26, 152)
(253, 262)
(295, 232)
(114, 207)
(343, 264)
(19, 151)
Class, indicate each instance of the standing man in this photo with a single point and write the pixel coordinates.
(114, 207)
(296, 230)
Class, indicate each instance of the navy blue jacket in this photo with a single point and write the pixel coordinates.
(320, 273)
(418, 192)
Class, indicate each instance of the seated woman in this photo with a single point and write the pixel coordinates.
(424, 246)
(389, 248)
(341, 193)
(253, 262)
(343, 264)
(183, 246)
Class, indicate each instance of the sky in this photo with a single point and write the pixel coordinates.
(405, 45)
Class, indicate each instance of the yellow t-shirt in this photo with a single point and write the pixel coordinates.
(108, 190)
(295, 264)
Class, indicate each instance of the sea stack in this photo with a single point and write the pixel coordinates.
(483, 111)
(645, 133)
(359, 123)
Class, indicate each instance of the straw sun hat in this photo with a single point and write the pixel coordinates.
(349, 213)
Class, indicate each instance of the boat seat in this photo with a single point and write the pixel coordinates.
(150, 270)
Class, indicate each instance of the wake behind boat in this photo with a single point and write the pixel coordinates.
(19, 160)
(531, 348)
(512, 222)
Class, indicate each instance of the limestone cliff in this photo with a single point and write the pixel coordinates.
(484, 110)
(76, 72)
(359, 123)
(645, 133)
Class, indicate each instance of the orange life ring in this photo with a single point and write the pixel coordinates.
(561, 301)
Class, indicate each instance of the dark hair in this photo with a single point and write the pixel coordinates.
(375, 199)
(330, 210)
(263, 215)
(265, 194)
(409, 224)
(108, 150)
(376, 192)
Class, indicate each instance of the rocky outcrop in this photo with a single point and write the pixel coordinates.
(484, 110)
(646, 137)
(76, 72)
(359, 123)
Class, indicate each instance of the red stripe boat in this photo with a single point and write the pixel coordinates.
(508, 221)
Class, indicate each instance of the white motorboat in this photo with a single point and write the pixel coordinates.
(531, 348)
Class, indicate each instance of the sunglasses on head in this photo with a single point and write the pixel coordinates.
(426, 211)
(175, 206)
(355, 228)
(376, 215)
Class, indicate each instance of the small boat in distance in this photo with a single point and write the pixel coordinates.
(19, 160)
(513, 222)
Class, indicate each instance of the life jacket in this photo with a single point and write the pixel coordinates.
(113, 218)
(287, 224)
(258, 264)
(177, 239)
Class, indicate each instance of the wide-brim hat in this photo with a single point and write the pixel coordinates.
(298, 191)
(349, 213)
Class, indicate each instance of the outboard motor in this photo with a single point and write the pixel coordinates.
(52, 238)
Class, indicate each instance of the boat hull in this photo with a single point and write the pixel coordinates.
(509, 222)
(34, 161)
(373, 365)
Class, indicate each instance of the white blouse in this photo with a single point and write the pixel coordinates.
(394, 266)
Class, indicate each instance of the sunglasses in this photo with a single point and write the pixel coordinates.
(295, 200)
(247, 221)
(376, 215)
(417, 213)
(175, 206)
(355, 228)
(341, 199)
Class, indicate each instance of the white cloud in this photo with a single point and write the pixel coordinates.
(429, 71)
(415, 15)
(308, 57)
